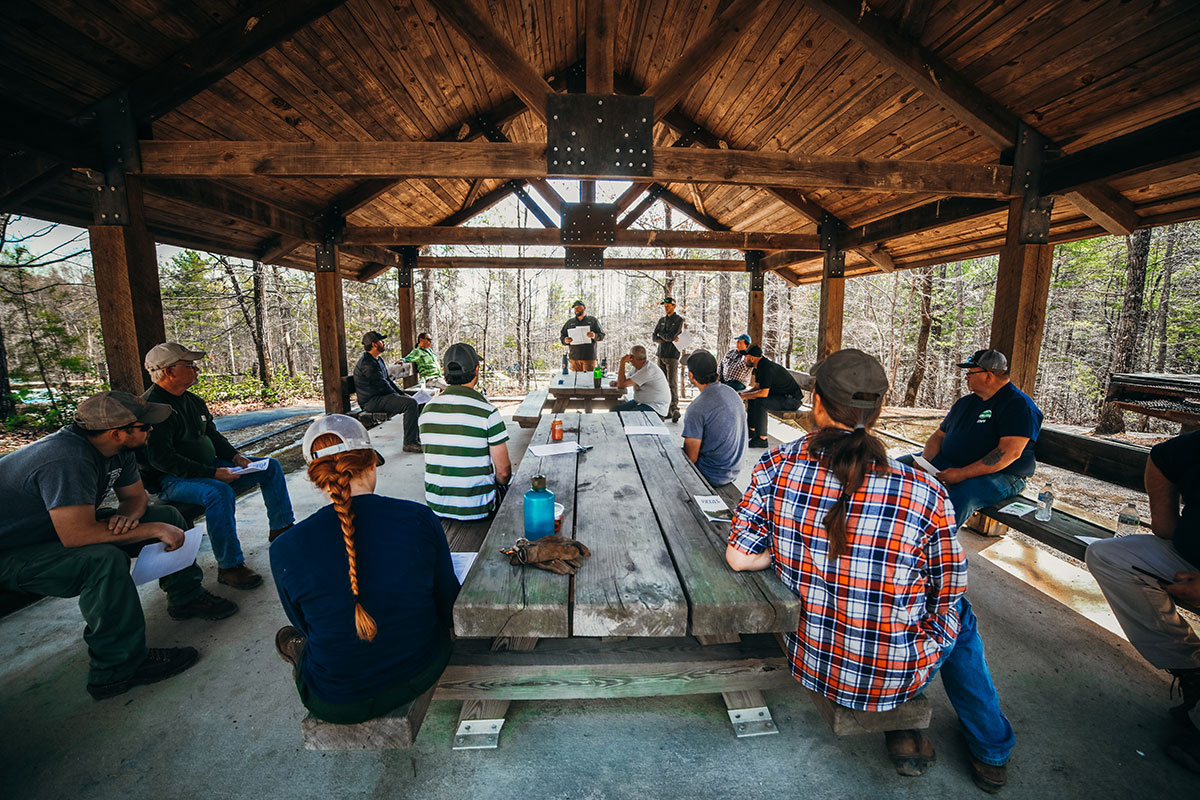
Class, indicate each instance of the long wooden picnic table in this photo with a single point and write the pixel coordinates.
(654, 611)
(582, 386)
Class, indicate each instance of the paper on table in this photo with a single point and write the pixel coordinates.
(579, 334)
(1017, 508)
(925, 464)
(253, 466)
(646, 430)
(154, 562)
(713, 507)
(462, 564)
(555, 449)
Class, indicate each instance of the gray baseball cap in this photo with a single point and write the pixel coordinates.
(851, 372)
(165, 354)
(350, 431)
(986, 359)
(108, 410)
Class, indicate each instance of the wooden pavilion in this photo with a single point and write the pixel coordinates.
(822, 138)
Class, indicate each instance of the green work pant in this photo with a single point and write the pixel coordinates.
(99, 574)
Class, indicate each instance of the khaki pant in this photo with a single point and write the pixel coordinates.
(582, 366)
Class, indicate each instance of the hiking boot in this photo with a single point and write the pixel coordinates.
(1189, 689)
(989, 777)
(911, 752)
(289, 642)
(239, 577)
(675, 415)
(206, 606)
(413, 448)
(758, 441)
(160, 663)
(275, 534)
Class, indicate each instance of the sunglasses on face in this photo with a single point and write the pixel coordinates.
(137, 426)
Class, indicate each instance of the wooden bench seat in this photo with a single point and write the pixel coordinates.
(916, 713)
(393, 731)
(529, 412)
(1065, 531)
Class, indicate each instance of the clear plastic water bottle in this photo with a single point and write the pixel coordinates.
(1128, 522)
(539, 509)
(1045, 503)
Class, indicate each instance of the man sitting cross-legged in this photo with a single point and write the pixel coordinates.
(650, 389)
(190, 462)
(56, 540)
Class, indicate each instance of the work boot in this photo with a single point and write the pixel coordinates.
(758, 441)
(289, 643)
(989, 777)
(1189, 689)
(206, 606)
(160, 663)
(910, 751)
(239, 577)
(413, 448)
(275, 534)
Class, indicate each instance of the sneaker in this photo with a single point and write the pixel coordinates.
(206, 606)
(160, 663)
(289, 642)
(239, 577)
(413, 448)
(758, 441)
(275, 534)
(989, 777)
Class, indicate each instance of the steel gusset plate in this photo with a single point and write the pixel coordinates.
(589, 223)
(584, 258)
(599, 134)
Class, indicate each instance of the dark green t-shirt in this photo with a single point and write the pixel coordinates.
(187, 444)
(1178, 460)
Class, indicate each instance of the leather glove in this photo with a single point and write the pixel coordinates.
(552, 553)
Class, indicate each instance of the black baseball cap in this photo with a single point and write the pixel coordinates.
(370, 338)
(702, 363)
(460, 360)
(752, 350)
(851, 372)
(986, 359)
(666, 300)
(579, 303)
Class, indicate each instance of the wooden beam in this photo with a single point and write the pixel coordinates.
(630, 196)
(32, 130)
(1019, 313)
(1104, 205)
(712, 223)
(23, 175)
(629, 264)
(714, 44)
(831, 312)
(481, 204)
(754, 317)
(552, 237)
(542, 187)
(210, 159)
(331, 335)
(922, 218)
(230, 202)
(601, 45)
(920, 67)
(913, 14)
(463, 17)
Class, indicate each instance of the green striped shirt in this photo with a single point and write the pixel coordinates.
(458, 428)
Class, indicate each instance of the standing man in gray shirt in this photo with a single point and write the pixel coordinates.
(378, 393)
(714, 427)
(56, 540)
(666, 333)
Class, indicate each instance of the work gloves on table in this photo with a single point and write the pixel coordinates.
(552, 553)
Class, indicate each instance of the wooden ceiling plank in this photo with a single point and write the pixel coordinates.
(671, 198)
(497, 52)
(913, 15)
(601, 45)
(223, 200)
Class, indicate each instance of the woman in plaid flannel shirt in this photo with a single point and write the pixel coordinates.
(869, 545)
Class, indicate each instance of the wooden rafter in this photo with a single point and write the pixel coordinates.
(211, 159)
(394, 236)
(1109, 208)
(213, 196)
(922, 218)
(601, 45)
(532, 262)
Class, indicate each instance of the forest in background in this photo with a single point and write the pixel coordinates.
(1116, 304)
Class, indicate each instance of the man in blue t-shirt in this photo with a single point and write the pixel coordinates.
(983, 450)
(714, 427)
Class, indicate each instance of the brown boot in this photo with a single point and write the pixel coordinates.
(989, 777)
(289, 643)
(275, 534)
(412, 448)
(239, 577)
(911, 752)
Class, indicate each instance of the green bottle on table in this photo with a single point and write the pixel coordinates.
(598, 376)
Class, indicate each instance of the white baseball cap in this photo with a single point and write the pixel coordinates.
(350, 431)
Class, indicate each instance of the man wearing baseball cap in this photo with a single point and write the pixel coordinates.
(666, 333)
(467, 468)
(581, 354)
(774, 389)
(189, 461)
(379, 394)
(56, 540)
(732, 370)
(983, 450)
(714, 427)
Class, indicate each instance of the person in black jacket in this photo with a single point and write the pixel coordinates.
(666, 333)
(379, 394)
(582, 355)
(774, 390)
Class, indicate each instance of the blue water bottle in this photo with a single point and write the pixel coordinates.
(539, 510)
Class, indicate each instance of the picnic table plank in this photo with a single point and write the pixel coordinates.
(499, 599)
(722, 600)
(629, 586)
(582, 384)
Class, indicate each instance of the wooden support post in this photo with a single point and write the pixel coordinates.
(331, 329)
(407, 316)
(1019, 314)
(833, 290)
(755, 317)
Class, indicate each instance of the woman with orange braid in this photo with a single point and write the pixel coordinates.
(367, 583)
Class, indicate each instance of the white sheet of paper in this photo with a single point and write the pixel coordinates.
(154, 562)
(1088, 539)
(646, 430)
(554, 449)
(253, 466)
(462, 564)
(713, 507)
(422, 396)
(579, 334)
(924, 464)
(1017, 508)
(687, 340)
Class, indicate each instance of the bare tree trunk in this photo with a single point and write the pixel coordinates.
(1138, 249)
(919, 358)
(426, 291)
(1164, 304)
(260, 330)
(7, 406)
(724, 307)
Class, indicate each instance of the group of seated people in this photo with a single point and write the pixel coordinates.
(868, 542)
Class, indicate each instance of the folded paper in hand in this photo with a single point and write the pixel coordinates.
(253, 466)
(155, 562)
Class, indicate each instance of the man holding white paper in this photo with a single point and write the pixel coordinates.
(56, 540)
(580, 333)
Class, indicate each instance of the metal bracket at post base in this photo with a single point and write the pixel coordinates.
(749, 722)
(478, 734)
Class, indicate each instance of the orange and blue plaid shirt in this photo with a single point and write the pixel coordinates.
(875, 620)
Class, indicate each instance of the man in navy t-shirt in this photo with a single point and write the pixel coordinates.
(983, 450)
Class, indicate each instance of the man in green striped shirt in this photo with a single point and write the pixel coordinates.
(465, 443)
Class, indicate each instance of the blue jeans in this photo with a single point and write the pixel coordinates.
(218, 499)
(968, 684)
(633, 405)
(970, 495)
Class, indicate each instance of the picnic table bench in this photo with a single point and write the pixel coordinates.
(529, 413)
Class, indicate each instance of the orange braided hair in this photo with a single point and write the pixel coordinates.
(333, 474)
